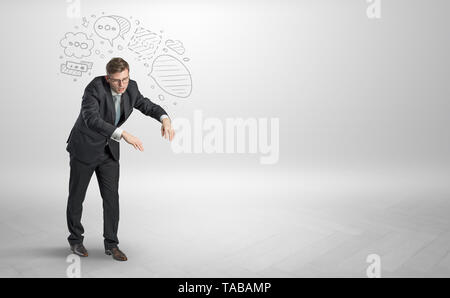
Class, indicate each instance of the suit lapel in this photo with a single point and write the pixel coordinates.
(126, 104)
(109, 100)
(125, 99)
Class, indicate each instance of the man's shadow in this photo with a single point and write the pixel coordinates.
(52, 252)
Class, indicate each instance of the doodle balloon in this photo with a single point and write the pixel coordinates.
(111, 27)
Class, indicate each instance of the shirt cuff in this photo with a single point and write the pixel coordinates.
(117, 134)
(163, 117)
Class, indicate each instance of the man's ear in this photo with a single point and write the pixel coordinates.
(106, 77)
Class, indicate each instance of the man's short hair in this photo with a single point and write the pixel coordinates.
(116, 65)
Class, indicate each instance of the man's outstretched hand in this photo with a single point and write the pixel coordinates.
(167, 130)
(132, 140)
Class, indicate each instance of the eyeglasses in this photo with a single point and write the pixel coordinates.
(117, 81)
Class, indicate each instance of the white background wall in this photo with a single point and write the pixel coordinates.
(354, 96)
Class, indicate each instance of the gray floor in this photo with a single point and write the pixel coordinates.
(253, 223)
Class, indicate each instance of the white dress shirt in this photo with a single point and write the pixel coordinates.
(117, 134)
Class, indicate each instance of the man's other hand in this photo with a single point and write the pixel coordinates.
(167, 130)
(132, 140)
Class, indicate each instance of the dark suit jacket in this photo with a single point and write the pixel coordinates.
(95, 124)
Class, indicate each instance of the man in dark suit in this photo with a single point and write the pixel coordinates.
(93, 145)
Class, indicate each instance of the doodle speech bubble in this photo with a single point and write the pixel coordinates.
(77, 44)
(111, 27)
(172, 76)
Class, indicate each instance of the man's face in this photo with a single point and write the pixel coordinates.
(119, 81)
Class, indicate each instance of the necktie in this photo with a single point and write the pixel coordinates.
(117, 106)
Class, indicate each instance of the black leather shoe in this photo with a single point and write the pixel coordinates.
(116, 253)
(79, 249)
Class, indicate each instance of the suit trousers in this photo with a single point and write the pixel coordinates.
(107, 172)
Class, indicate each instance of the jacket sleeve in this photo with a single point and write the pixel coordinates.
(147, 107)
(90, 112)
